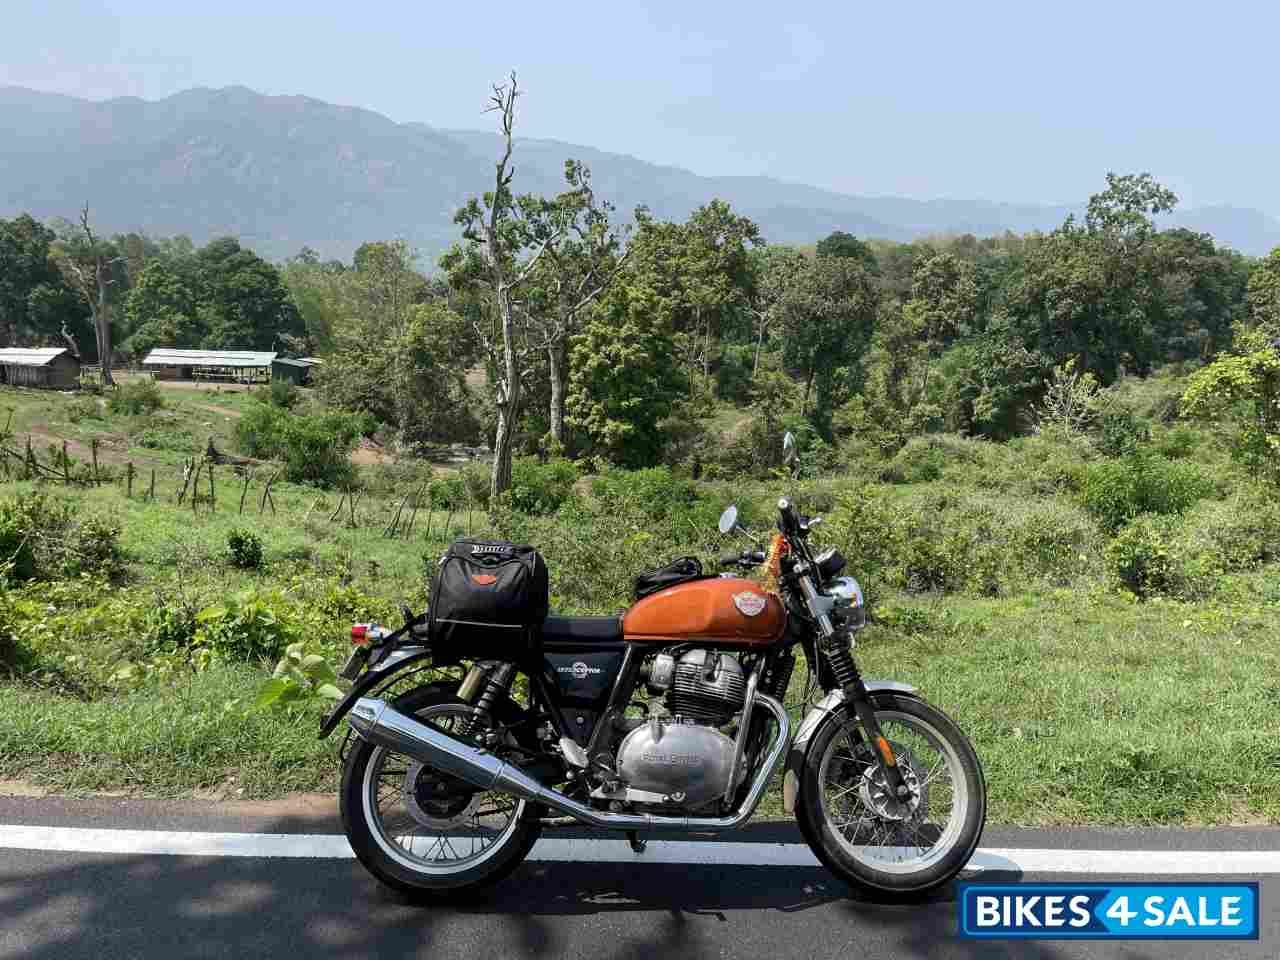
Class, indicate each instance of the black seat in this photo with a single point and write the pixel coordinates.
(558, 629)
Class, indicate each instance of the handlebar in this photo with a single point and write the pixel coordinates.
(787, 513)
(745, 558)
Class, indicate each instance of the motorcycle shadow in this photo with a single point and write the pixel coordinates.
(567, 889)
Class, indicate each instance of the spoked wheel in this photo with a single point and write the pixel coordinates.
(421, 831)
(866, 835)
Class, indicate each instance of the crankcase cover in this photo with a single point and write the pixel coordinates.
(688, 762)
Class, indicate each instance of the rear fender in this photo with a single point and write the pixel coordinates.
(813, 719)
(397, 661)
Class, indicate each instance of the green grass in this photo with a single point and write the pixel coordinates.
(1085, 705)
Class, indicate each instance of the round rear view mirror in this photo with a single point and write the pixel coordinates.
(788, 447)
(729, 519)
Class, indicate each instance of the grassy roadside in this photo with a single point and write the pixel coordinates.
(992, 590)
(1085, 709)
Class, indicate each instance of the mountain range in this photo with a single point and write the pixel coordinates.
(283, 172)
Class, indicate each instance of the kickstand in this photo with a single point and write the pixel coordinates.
(637, 845)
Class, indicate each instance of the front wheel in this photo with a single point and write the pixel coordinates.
(868, 837)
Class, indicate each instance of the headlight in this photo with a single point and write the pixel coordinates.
(847, 594)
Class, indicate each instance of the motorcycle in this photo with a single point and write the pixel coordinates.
(666, 719)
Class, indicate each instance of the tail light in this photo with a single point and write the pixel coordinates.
(360, 634)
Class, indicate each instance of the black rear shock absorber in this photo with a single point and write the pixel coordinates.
(497, 684)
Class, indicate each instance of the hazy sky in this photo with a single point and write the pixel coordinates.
(1025, 101)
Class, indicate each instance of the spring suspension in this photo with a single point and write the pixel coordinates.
(498, 683)
(840, 658)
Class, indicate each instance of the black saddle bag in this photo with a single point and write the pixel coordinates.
(677, 571)
(488, 601)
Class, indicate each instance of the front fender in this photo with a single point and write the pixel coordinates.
(815, 716)
(394, 662)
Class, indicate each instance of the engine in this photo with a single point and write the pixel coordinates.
(703, 685)
(685, 760)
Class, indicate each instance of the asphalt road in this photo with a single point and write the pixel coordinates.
(69, 905)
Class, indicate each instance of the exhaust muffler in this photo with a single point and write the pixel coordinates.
(382, 725)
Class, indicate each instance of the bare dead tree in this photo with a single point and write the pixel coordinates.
(71, 341)
(498, 234)
(86, 263)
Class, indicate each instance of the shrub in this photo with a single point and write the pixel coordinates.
(244, 628)
(540, 488)
(654, 493)
(1142, 558)
(316, 449)
(1242, 533)
(83, 407)
(1116, 491)
(918, 462)
(43, 538)
(1177, 443)
(1118, 432)
(448, 493)
(278, 393)
(244, 549)
(135, 397)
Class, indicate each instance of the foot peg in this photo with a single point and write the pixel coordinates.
(637, 845)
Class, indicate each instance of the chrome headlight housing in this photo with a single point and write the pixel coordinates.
(847, 594)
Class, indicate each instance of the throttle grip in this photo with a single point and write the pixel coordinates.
(728, 558)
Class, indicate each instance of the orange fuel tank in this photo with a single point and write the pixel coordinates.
(726, 611)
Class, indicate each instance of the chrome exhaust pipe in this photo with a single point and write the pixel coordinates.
(384, 726)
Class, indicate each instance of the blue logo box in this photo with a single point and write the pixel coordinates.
(1107, 911)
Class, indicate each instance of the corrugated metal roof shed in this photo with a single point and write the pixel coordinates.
(30, 356)
(161, 357)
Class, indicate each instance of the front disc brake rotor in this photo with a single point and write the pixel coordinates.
(874, 790)
(437, 800)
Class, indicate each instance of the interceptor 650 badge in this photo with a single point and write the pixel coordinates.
(749, 603)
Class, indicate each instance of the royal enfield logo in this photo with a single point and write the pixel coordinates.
(579, 670)
(751, 604)
(673, 759)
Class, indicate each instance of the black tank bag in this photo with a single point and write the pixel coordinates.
(488, 601)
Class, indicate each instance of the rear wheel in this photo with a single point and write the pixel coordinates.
(870, 838)
(423, 832)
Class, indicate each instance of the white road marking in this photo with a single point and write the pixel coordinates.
(335, 847)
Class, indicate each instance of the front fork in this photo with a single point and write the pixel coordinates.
(836, 647)
(856, 694)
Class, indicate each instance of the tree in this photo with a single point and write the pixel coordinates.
(92, 266)
(35, 299)
(776, 269)
(827, 314)
(243, 301)
(625, 377)
(942, 308)
(697, 274)
(1247, 381)
(841, 244)
(495, 235)
(1264, 293)
(575, 270)
(161, 310)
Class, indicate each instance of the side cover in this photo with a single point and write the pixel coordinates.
(727, 611)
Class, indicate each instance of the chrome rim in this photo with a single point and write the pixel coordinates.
(440, 833)
(883, 833)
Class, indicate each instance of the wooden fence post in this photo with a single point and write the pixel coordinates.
(96, 478)
(151, 492)
(195, 486)
(128, 479)
(213, 499)
(244, 490)
(66, 465)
